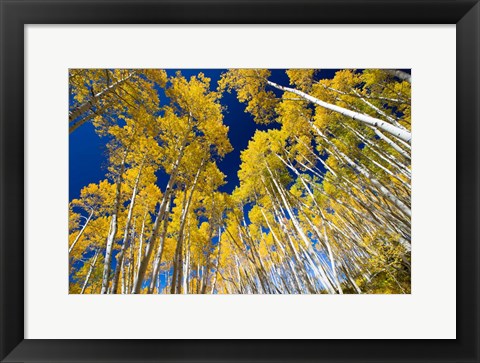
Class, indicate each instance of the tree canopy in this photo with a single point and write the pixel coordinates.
(323, 204)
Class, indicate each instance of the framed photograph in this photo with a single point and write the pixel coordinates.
(239, 181)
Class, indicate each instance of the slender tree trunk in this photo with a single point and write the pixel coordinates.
(81, 232)
(90, 270)
(121, 254)
(401, 134)
(178, 252)
(404, 76)
(206, 274)
(389, 195)
(186, 266)
(113, 227)
(217, 263)
(123, 279)
(391, 143)
(158, 220)
(88, 117)
(158, 256)
(140, 244)
(377, 110)
(385, 156)
(92, 101)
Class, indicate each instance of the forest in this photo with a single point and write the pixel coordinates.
(319, 201)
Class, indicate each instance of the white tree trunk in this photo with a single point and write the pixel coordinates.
(80, 233)
(377, 110)
(217, 263)
(389, 195)
(121, 254)
(401, 134)
(404, 76)
(158, 256)
(113, 227)
(90, 270)
(91, 102)
(140, 245)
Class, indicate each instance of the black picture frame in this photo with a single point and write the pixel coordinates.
(16, 13)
